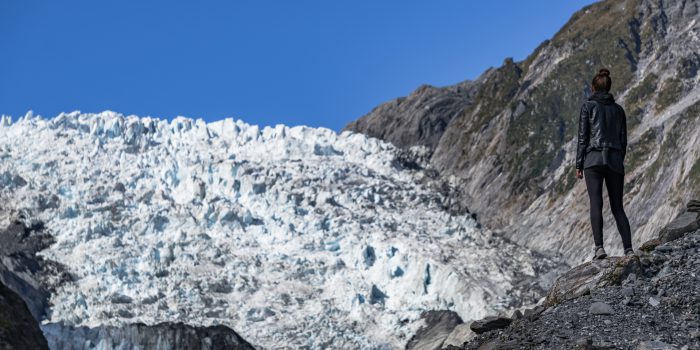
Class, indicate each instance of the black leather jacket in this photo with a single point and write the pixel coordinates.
(602, 124)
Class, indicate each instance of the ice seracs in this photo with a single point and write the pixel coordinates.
(292, 236)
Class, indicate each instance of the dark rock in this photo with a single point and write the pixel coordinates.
(18, 328)
(663, 248)
(489, 324)
(22, 271)
(600, 308)
(140, 336)
(438, 325)
(686, 222)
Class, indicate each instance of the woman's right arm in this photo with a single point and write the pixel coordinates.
(583, 136)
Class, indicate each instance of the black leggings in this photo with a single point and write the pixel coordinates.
(614, 182)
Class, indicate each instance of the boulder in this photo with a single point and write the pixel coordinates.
(439, 325)
(591, 275)
(489, 324)
(686, 222)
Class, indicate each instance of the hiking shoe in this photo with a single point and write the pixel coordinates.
(600, 253)
(629, 252)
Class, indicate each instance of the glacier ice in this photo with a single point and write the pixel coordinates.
(292, 236)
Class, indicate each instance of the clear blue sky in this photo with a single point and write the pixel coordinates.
(318, 63)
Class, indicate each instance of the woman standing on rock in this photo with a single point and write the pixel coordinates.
(602, 144)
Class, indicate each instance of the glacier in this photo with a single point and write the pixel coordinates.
(295, 237)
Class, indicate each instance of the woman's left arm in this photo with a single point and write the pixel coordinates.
(583, 136)
(623, 133)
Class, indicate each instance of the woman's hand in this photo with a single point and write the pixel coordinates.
(579, 173)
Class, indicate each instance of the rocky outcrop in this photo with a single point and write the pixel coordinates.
(142, 336)
(419, 119)
(30, 276)
(649, 301)
(513, 142)
(18, 329)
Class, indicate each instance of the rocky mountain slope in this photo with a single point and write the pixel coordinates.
(509, 136)
(650, 301)
(293, 237)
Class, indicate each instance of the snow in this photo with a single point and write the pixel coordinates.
(292, 236)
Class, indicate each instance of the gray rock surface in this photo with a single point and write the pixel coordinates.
(438, 326)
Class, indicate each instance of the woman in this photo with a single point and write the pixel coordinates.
(602, 144)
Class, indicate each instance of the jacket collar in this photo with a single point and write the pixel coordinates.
(602, 97)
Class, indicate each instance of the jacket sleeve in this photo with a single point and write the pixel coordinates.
(623, 133)
(583, 136)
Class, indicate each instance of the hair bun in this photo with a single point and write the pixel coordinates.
(604, 72)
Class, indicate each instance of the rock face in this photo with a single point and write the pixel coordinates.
(141, 336)
(18, 329)
(30, 276)
(437, 328)
(513, 142)
(419, 119)
(646, 302)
